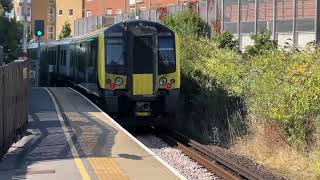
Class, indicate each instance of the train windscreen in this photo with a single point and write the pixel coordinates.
(115, 52)
(167, 59)
(115, 56)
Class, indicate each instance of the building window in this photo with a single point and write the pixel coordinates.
(50, 29)
(60, 12)
(51, 2)
(109, 12)
(88, 13)
(70, 12)
(118, 11)
(51, 11)
(50, 18)
(50, 36)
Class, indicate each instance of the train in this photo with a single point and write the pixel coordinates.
(132, 67)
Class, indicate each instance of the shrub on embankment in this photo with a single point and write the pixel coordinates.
(280, 89)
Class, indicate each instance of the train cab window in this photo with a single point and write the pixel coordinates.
(115, 52)
(167, 59)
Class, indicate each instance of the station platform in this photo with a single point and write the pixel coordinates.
(71, 138)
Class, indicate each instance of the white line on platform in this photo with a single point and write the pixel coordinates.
(73, 149)
(173, 170)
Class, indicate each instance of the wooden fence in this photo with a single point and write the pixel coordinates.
(14, 101)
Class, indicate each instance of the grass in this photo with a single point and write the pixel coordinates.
(266, 145)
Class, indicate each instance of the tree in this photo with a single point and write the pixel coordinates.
(10, 38)
(187, 23)
(6, 5)
(66, 31)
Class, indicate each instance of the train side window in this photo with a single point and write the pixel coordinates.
(70, 59)
(54, 58)
(64, 58)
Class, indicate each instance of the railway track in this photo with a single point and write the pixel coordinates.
(214, 162)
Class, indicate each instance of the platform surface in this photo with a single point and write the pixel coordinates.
(70, 138)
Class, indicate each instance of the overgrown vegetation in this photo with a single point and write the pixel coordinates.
(10, 33)
(280, 90)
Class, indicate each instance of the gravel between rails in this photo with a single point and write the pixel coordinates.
(182, 163)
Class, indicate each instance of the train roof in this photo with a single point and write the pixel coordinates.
(96, 33)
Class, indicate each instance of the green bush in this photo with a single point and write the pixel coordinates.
(284, 87)
(187, 23)
(226, 40)
(262, 43)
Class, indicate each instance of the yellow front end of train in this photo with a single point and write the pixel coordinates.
(139, 68)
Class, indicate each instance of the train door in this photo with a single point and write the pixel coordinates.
(143, 60)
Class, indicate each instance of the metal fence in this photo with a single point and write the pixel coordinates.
(208, 10)
(14, 94)
(88, 24)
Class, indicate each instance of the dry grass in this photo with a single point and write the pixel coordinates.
(266, 145)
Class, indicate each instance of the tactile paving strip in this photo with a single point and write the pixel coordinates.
(107, 168)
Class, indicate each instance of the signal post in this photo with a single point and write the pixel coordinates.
(38, 32)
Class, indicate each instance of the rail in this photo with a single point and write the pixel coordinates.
(14, 94)
(213, 161)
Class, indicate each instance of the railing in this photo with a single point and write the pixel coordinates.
(14, 94)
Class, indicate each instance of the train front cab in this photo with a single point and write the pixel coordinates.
(142, 68)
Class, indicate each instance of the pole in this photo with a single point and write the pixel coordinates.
(24, 13)
(37, 66)
(125, 8)
(317, 22)
(149, 9)
(207, 12)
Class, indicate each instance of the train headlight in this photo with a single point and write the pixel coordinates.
(163, 81)
(108, 81)
(119, 81)
(172, 81)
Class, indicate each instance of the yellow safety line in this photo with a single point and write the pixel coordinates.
(84, 173)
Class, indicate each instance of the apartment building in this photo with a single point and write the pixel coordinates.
(44, 10)
(67, 11)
